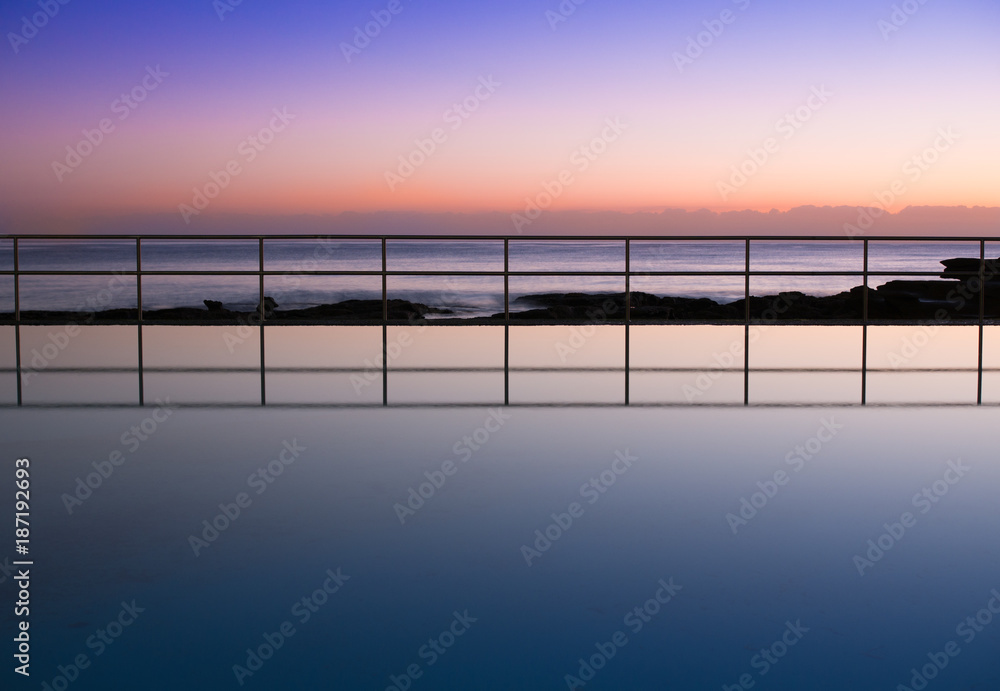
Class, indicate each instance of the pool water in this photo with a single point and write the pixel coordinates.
(807, 545)
(734, 531)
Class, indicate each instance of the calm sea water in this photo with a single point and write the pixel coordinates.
(467, 296)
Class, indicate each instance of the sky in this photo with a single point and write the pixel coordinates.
(195, 110)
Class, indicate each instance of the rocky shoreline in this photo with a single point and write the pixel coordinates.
(954, 296)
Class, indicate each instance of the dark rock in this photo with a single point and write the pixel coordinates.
(963, 268)
(361, 310)
(908, 300)
(920, 290)
(269, 305)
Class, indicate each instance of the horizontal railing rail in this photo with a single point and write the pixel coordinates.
(280, 237)
(13, 244)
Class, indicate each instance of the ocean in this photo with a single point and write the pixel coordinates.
(466, 296)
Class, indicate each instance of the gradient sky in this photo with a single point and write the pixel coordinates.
(890, 95)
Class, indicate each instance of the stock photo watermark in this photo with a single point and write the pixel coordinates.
(30, 26)
(59, 340)
(703, 40)
(394, 349)
(248, 149)
(22, 584)
(911, 345)
(765, 660)
(924, 500)
(132, 439)
(464, 450)
(725, 360)
(913, 169)
(900, 15)
(787, 126)
(123, 107)
(635, 620)
(224, 7)
(230, 512)
(424, 148)
(580, 161)
(796, 459)
(56, 343)
(605, 313)
(592, 491)
(373, 368)
(432, 651)
(303, 610)
(968, 630)
(291, 279)
(364, 35)
(99, 642)
(246, 324)
(562, 13)
(580, 335)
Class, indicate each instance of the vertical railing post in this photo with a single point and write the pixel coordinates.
(17, 321)
(628, 313)
(138, 303)
(385, 330)
(864, 327)
(506, 321)
(263, 318)
(982, 317)
(746, 328)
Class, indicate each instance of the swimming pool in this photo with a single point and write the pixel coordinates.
(641, 548)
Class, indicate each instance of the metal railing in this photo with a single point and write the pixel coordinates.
(385, 273)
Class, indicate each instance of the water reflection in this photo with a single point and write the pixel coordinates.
(491, 365)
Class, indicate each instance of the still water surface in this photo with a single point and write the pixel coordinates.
(546, 526)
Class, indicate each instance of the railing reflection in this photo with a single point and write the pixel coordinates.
(633, 253)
